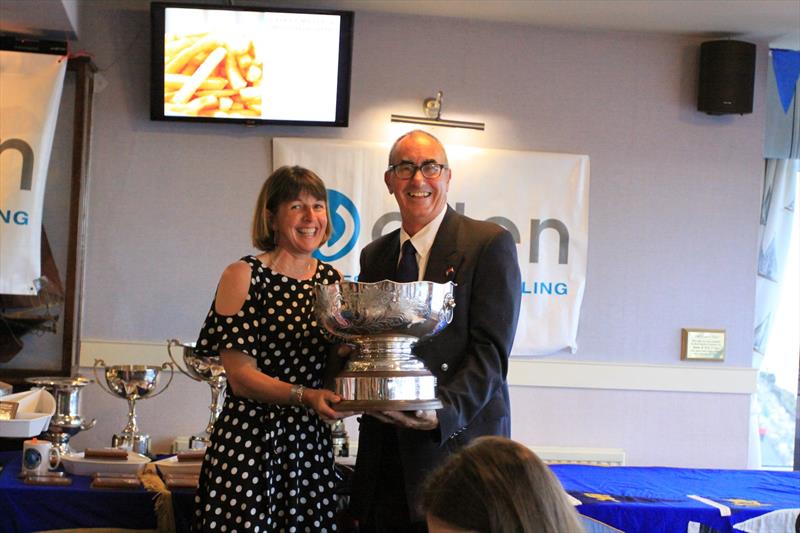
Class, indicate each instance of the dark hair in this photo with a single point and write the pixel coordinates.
(284, 185)
(496, 485)
(416, 132)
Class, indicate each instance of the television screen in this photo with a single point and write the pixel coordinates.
(250, 65)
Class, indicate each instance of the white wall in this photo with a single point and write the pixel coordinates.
(673, 210)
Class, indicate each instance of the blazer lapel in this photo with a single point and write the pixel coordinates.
(445, 257)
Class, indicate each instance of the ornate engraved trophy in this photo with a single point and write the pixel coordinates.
(206, 368)
(132, 382)
(67, 420)
(385, 319)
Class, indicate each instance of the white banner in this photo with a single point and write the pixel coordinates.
(30, 92)
(541, 198)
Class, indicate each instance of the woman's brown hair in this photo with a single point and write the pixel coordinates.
(284, 185)
(496, 485)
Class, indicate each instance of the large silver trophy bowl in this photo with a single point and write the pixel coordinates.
(132, 382)
(385, 320)
(207, 368)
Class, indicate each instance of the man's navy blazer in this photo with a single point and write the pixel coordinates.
(469, 357)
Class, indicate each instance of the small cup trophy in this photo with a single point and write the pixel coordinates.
(385, 319)
(206, 368)
(132, 382)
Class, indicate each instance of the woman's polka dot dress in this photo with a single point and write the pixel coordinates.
(270, 467)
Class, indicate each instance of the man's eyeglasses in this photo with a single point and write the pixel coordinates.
(406, 170)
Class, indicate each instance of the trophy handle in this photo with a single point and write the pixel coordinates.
(171, 375)
(170, 344)
(100, 362)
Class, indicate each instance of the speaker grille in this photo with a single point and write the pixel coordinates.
(727, 72)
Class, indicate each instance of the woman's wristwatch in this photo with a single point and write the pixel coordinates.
(296, 394)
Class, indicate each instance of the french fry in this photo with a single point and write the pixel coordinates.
(245, 113)
(179, 43)
(176, 81)
(235, 79)
(244, 61)
(253, 74)
(200, 75)
(194, 63)
(225, 103)
(195, 106)
(250, 94)
(179, 61)
(218, 94)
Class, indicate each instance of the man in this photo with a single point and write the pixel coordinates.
(469, 357)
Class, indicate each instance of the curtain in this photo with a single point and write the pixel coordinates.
(781, 150)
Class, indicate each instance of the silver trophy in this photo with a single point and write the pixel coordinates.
(206, 368)
(132, 382)
(67, 420)
(385, 320)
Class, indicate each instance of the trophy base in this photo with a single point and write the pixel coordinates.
(59, 440)
(199, 442)
(136, 443)
(388, 405)
(386, 391)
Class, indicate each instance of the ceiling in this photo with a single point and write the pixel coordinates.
(756, 19)
(774, 21)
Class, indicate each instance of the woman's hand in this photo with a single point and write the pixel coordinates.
(321, 400)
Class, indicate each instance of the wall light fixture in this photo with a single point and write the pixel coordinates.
(432, 108)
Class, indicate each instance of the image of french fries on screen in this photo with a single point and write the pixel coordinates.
(212, 75)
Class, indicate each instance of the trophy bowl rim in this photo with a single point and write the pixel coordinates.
(59, 381)
(390, 282)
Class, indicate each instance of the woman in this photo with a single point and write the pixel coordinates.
(496, 485)
(269, 466)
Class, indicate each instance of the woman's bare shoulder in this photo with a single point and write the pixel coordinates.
(234, 285)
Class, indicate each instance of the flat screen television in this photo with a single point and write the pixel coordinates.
(250, 65)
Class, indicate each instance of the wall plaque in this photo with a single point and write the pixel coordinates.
(703, 344)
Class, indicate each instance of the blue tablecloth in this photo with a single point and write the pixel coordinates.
(631, 499)
(25, 508)
(657, 499)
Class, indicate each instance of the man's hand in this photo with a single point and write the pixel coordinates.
(420, 420)
(345, 350)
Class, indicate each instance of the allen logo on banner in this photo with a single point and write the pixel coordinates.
(30, 93)
(542, 199)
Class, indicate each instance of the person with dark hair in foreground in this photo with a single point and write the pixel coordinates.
(496, 485)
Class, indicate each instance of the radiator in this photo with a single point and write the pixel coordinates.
(587, 456)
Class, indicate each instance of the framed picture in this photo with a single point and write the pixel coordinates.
(702, 344)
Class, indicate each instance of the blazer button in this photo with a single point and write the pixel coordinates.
(444, 367)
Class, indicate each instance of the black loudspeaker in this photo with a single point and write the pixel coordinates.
(727, 72)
